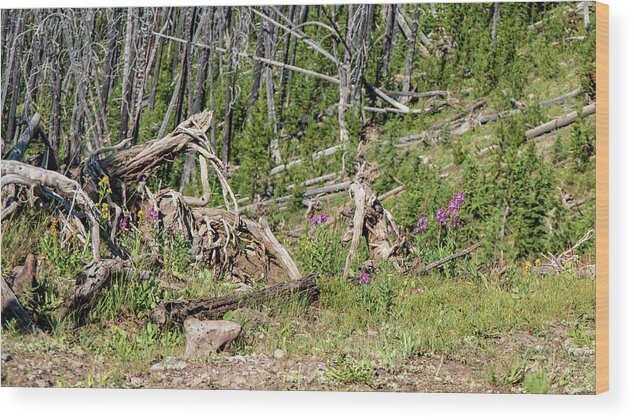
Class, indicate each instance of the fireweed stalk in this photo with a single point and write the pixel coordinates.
(315, 221)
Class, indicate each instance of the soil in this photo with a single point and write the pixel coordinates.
(430, 373)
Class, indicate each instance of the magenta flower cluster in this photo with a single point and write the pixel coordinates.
(153, 216)
(421, 226)
(316, 221)
(444, 216)
(123, 223)
(364, 278)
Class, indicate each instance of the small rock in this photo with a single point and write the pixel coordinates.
(238, 358)
(205, 338)
(170, 363)
(373, 333)
(278, 353)
(243, 288)
(136, 382)
(6, 356)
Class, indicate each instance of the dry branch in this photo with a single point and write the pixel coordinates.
(427, 268)
(216, 308)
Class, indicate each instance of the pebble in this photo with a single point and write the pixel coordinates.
(238, 358)
(6, 356)
(278, 353)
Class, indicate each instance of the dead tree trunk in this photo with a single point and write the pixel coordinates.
(369, 219)
(496, 22)
(411, 46)
(126, 78)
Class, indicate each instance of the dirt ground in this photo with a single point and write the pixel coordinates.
(570, 367)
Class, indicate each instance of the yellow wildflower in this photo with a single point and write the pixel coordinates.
(105, 211)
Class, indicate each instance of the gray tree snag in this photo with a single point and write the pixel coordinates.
(409, 62)
(126, 78)
(496, 22)
(370, 220)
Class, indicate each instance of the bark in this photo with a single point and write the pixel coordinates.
(387, 43)
(61, 186)
(25, 138)
(12, 309)
(229, 90)
(560, 122)
(496, 22)
(409, 62)
(126, 90)
(308, 194)
(586, 15)
(110, 60)
(95, 277)
(215, 308)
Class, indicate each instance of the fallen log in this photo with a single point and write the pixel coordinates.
(25, 138)
(308, 194)
(462, 125)
(317, 155)
(318, 180)
(560, 122)
(435, 130)
(215, 308)
(391, 193)
(427, 268)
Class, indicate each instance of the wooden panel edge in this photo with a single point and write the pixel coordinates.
(602, 204)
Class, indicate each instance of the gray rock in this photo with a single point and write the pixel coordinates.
(6, 356)
(238, 358)
(205, 338)
(170, 363)
(278, 353)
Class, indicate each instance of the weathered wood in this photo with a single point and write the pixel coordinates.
(95, 277)
(26, 136)
(261, 59)
(12, 309)
(215, 308)
(317, 180)
(317, 155)
(62, 186)
(329, 189)
(560, 122)
(391, 193)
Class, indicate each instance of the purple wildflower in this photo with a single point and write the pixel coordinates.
(364, 278)
(456, 203)
(123, 224)
(153, 215)
(421, 226)
(316, 221)
(441, 217)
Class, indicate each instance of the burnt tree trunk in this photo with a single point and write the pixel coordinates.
(216, 308)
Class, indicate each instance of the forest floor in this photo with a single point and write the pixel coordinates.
(323, 350)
